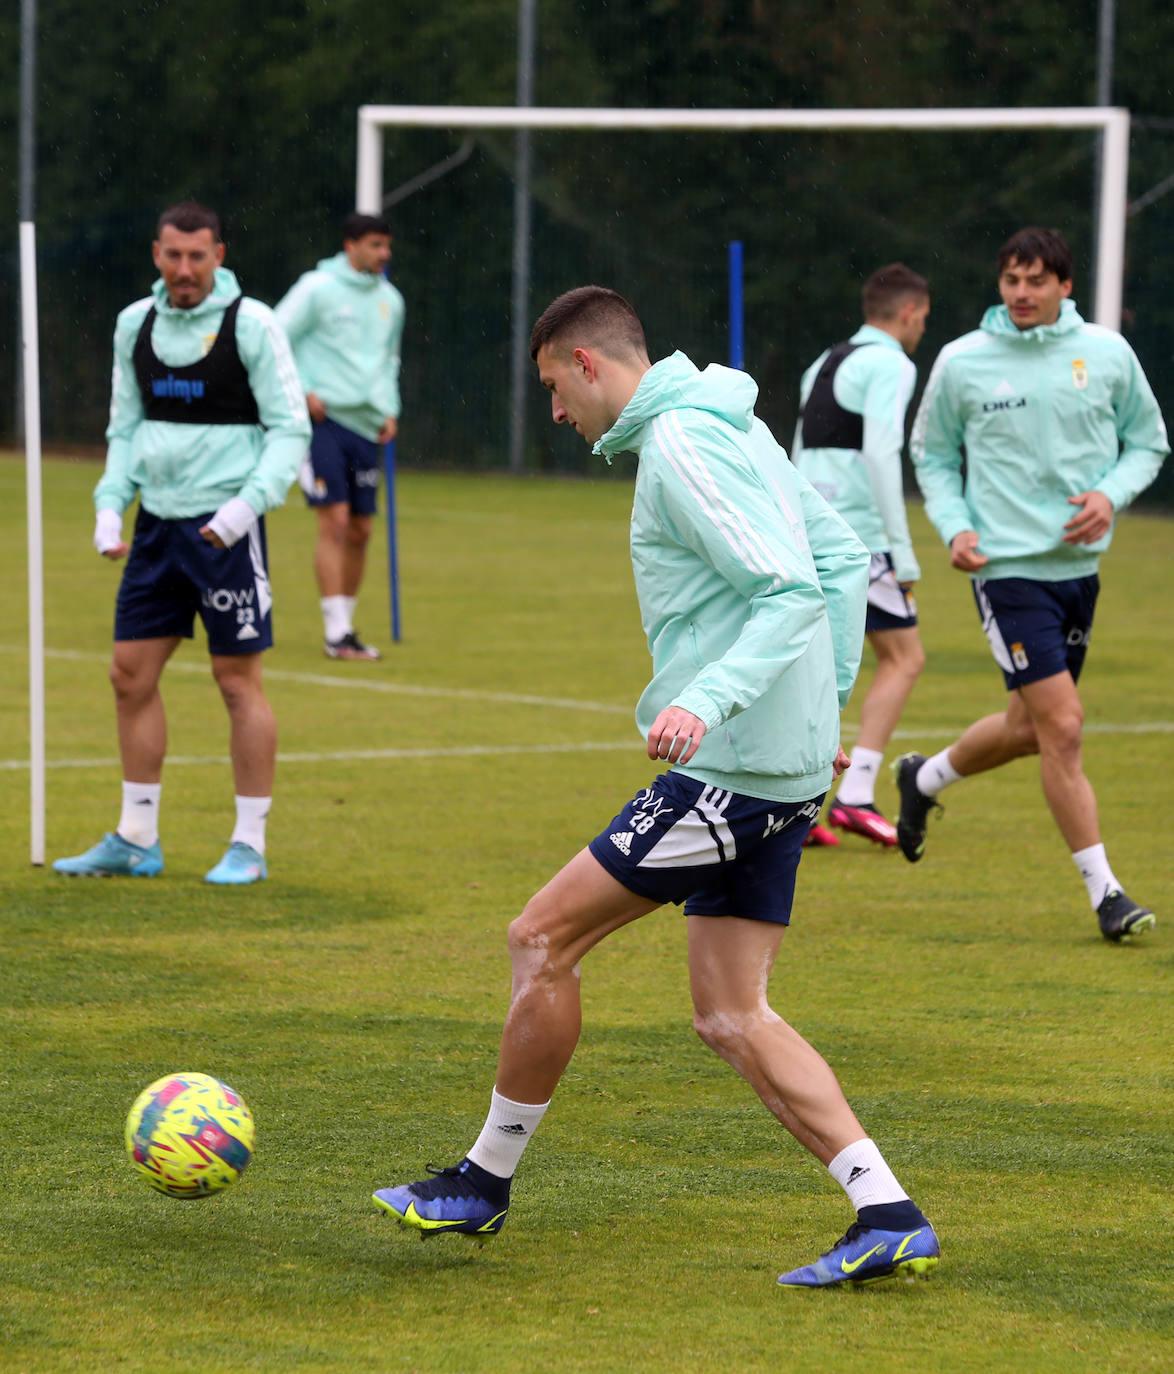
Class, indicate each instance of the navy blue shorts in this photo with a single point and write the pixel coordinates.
(721, 853)
(341, 466)
(1037, 629)
(890, 607)
(173, 574)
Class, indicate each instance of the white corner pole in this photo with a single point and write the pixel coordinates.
(369, 168)
(30, 354)
(1114, 195)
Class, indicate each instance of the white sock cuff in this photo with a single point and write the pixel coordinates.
(506, 1133)
(936, 773)
(251, 815)
(861, 1171)
(139, 818)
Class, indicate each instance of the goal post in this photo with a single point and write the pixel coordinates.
(1111, 122)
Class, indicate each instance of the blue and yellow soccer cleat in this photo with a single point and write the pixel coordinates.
(1121, 918)
(865, 1254)
(448, 1201)
(113, 857)
(241, 865)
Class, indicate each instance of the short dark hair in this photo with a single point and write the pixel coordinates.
(1048, 245)
(882, 294)
(357, 226)
(598, 316)
(189, 217)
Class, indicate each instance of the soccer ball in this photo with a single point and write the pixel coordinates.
(189, 1135)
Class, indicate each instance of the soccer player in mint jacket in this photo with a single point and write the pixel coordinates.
(752, 593)
(207, 427)
(1061, 431)
(848, 444)
(345, 321)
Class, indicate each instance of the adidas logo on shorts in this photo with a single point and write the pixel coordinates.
(622, 840)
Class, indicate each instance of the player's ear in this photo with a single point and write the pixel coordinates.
(219, 254)
(583, 359)
(1065, 289)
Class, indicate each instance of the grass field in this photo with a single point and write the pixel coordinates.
(1014, 1068)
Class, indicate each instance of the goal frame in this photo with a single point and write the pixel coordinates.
(1110, 121)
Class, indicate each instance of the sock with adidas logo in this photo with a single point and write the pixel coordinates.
(861, 1171)
(506, 1133)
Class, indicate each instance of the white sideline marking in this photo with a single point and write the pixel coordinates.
(361, 684)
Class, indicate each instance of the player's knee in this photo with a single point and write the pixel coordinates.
(358, 532)
(128, 684)
(914, 664)
(1062, 732)
(721, 1031)
(236, 686)
(529, 941)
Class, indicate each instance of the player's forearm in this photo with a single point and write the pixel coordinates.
(1133, 472)
(115, 489)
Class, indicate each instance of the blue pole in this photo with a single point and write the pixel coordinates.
(392, 543)
(737, 351)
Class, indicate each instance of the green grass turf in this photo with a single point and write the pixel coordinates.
(1012, 1066)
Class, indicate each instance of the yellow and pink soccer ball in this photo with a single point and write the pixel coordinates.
(189, 1135)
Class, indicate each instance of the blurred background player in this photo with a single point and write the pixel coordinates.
(751, 591)
(1061, 430)
(345, 321)
(207, 427)
(852, 404)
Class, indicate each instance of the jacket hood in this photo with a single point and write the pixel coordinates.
(674, 383)
(339, 266)
(997, 320)
(225, 289)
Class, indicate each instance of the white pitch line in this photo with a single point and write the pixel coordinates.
(499, 750)
(364, 684)
(360, 755)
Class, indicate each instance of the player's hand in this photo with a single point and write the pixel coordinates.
(389, 431)
(675, 735)
(964, 554)
(840, 762)
(315, 407)
(1093, 519)
(117, 552)
(209, 534)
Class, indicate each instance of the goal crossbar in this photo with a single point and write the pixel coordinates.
(1110, 121)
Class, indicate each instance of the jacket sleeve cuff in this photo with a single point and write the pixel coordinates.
(107, 530)
(232, 521)
(701, 705)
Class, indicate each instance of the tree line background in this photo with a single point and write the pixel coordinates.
(252, 109)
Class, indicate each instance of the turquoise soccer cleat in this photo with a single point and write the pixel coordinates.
(448, 1201)
(113, 857)
(865, 1254)
(240, 866)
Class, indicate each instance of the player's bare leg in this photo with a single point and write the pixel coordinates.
(135, 671)
(133, 848)
(358, 536)
(330, 549)
(579, 906)
(253, 745)
(899, 661)
(730, 961)
(1058, 717)
(559, 925)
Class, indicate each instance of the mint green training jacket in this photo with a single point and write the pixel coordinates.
(346, 328)
(751, 588)
(1043, 414)
(865, 485)
(183, 470)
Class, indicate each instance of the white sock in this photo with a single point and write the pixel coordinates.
(861, 1171)
(1094, 869)
(336, 617)
(858, 786)
(506, 1133)
(936, 773)
(350, 602)
(139, 822)
(250, 821)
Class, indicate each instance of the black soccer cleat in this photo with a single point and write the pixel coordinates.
(915, 807)
(1121, 918)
